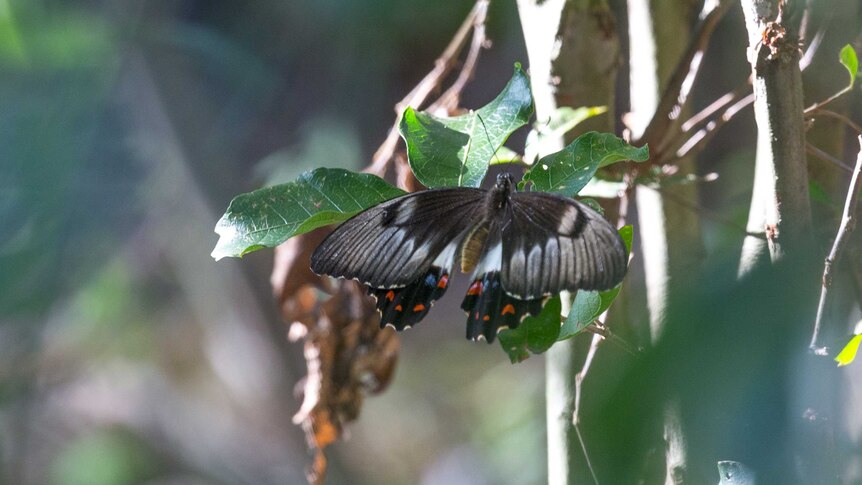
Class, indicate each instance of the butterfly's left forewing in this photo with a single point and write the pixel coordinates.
(403, 249)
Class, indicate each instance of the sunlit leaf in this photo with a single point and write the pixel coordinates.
(445, 152)
(848, 353)
(850, 61)
(589, 305)
(568, 171)
(535, 334)
(561, 121)
(267, 217)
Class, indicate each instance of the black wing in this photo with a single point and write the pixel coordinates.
(553, 243)
(489, 308)
(392, 244)
(403, 249)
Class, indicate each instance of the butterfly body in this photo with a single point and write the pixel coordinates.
(521, 246)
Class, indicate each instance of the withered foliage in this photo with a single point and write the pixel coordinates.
(346, 352)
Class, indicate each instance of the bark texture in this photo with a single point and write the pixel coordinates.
(780, 206)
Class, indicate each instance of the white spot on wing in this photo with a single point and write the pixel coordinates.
(446, 258)
(491, 261)
(516, 265)
(417, 257)
(552, 258)
(534, 267)
(567, 222)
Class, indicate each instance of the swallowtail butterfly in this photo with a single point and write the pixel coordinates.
(521, 246)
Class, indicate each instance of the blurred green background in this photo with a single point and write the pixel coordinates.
(127, 354)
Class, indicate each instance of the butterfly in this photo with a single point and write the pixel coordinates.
(521, 246)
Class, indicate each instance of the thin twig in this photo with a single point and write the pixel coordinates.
(705, 115)
(814, 107)
(827, 157)
(848, 223)
(698, 140)
(452, 97)
(586, 455)
(840, 117)
(419, 94)
(710, 119)
(601, 330)
(675, 97)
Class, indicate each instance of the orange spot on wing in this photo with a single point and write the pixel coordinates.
(486, 318)
(475, 288)
(508, 309)
(390, 296)
(398, 308)
(419, 308)
(444, 280)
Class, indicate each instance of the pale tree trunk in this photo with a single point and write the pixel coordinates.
(670, 233)
(573, 52)
(780, 206)
(781, 210)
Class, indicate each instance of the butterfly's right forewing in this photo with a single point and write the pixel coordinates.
(553, 243)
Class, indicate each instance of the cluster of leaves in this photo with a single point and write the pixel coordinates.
(444, 152)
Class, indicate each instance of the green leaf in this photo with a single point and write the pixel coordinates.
(561, 121)
(589, 305)
(267, 217)
(568, 171)
(535, 334)
(446, 152)
(628, 234)
(848, 59)
(848, 353)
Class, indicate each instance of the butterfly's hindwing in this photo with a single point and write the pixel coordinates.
(488, 306)
(553, 243)
(490, 309)
(405, 307)
(395, 243)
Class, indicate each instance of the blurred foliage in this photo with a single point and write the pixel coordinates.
(105, 457)
(67, 183)
(117, 363)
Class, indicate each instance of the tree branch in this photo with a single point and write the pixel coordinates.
(675, 97)
(698, 140)
(452, 97)
(848, 223)
(827, 157)
(840, 117)
(442, 67)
